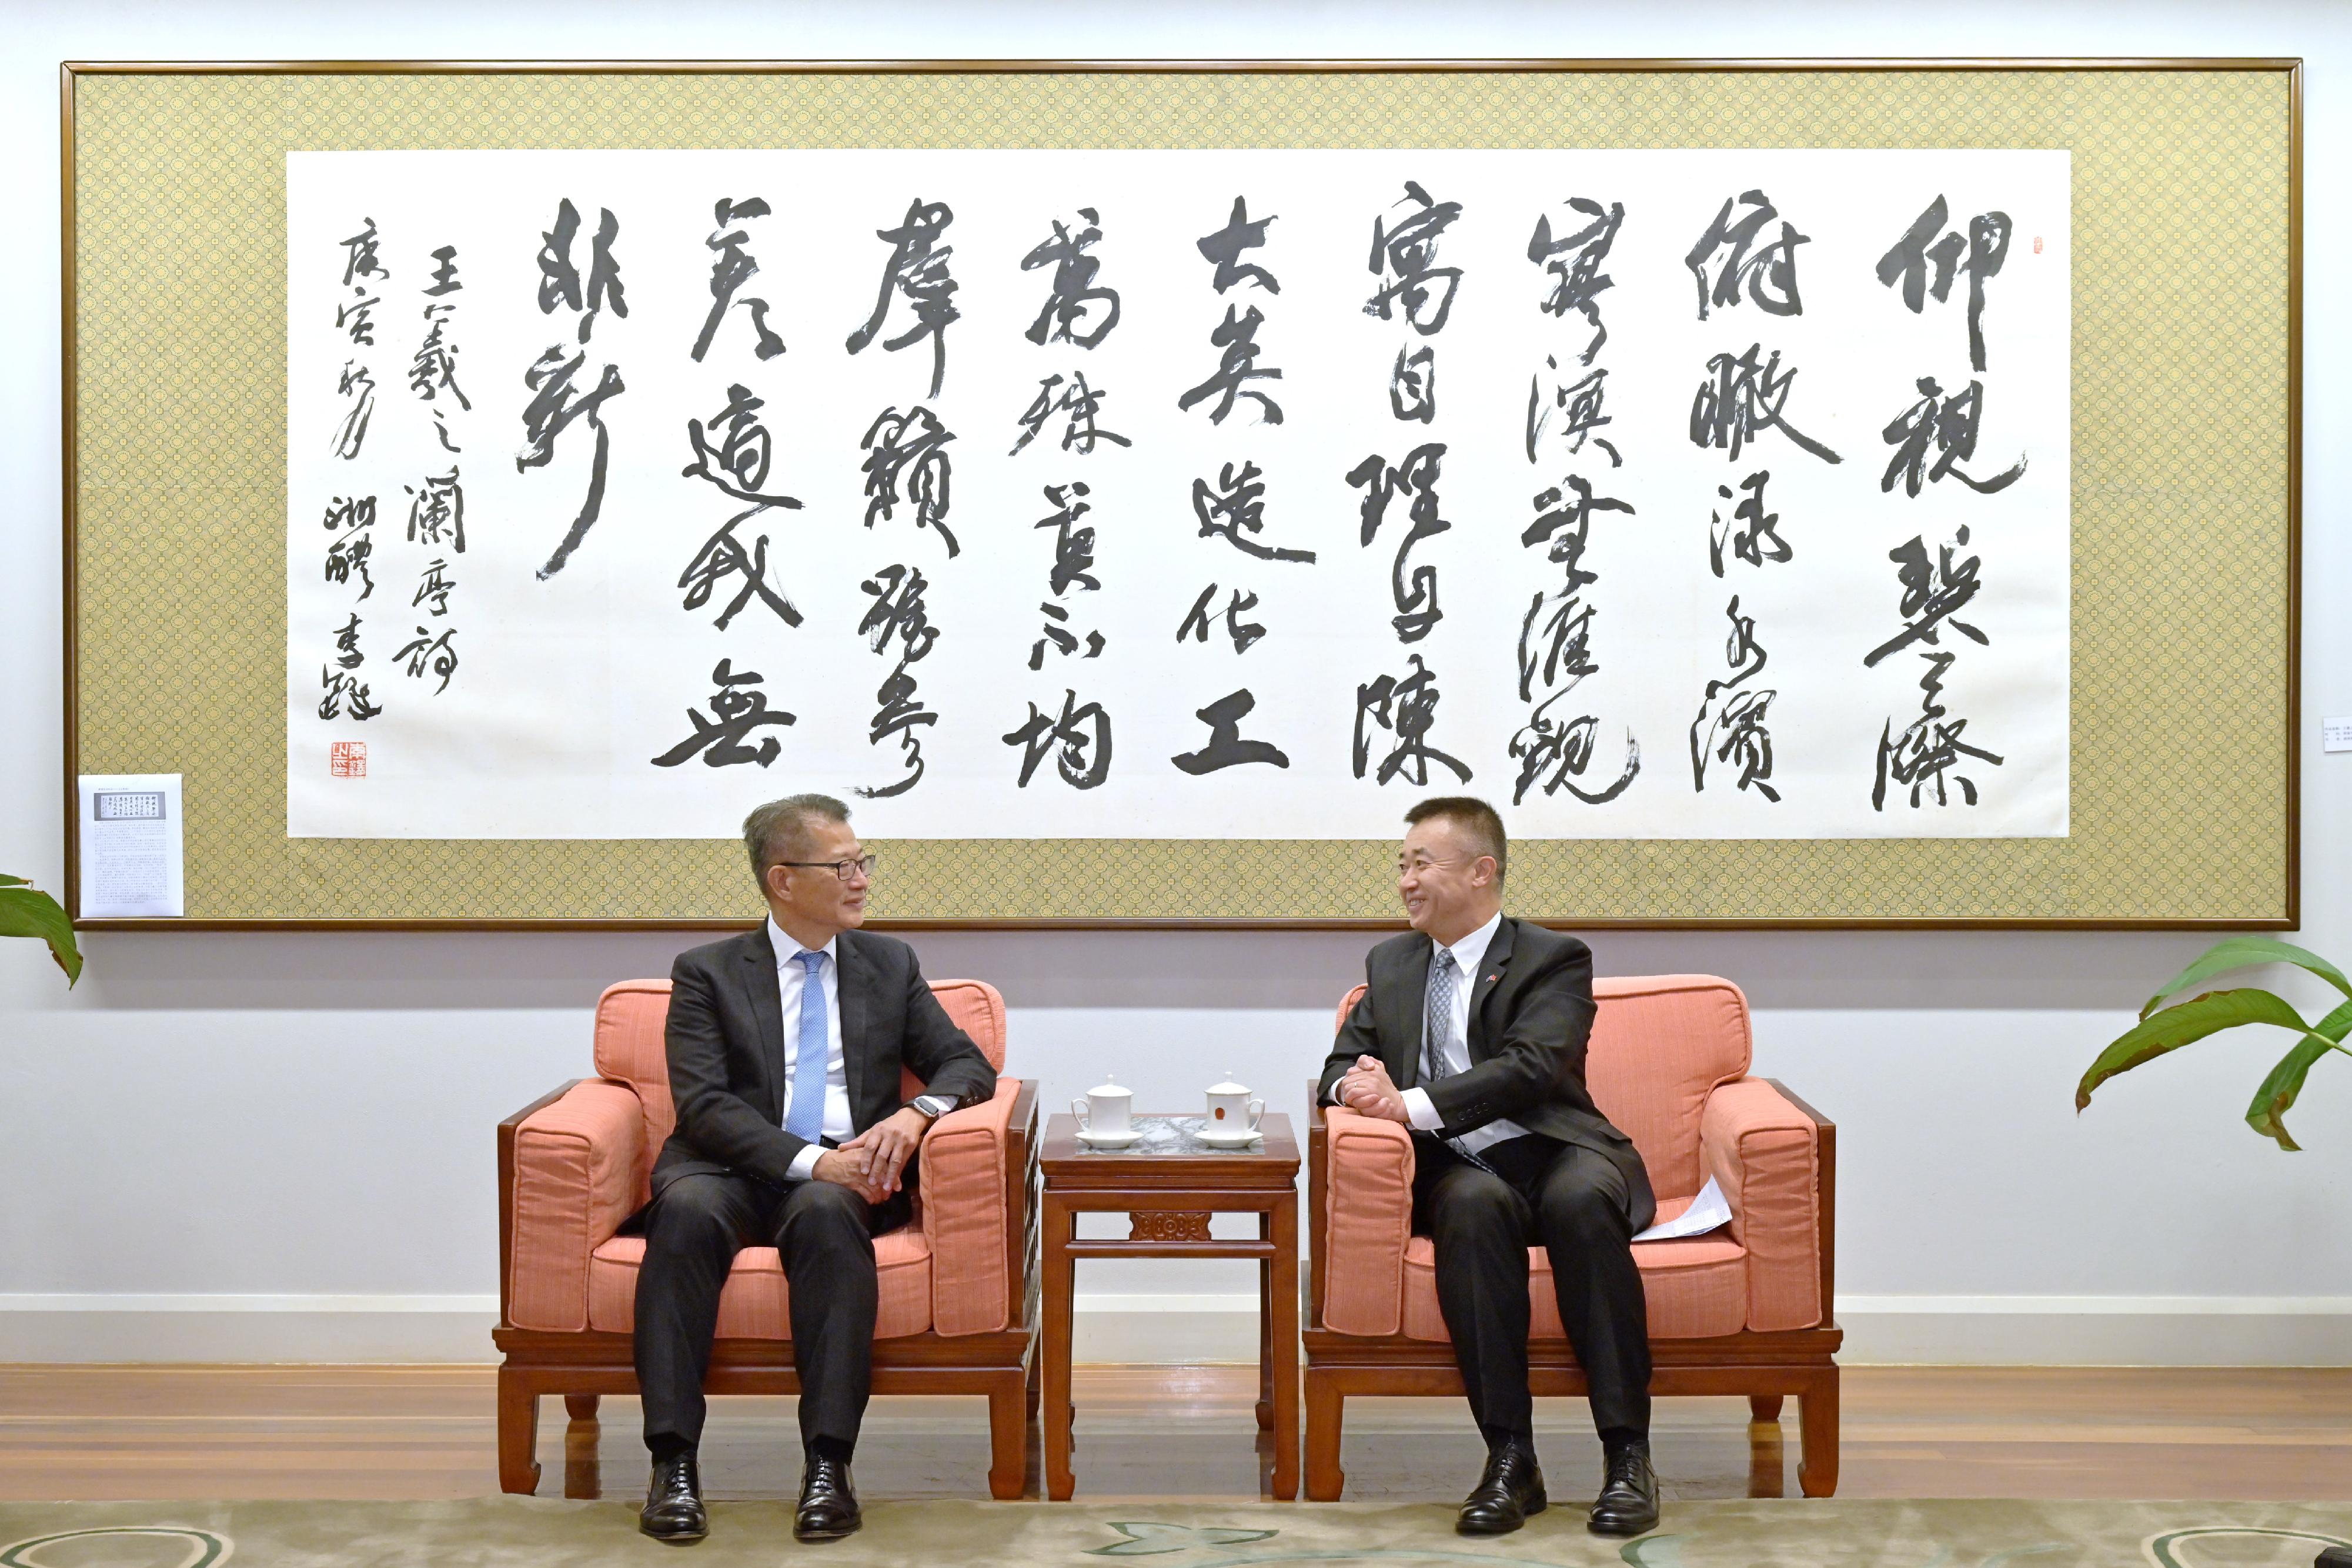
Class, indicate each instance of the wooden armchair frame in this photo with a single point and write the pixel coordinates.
(583, 1365)
(1764, 1367)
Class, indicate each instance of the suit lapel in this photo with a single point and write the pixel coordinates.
(1486, 983)
(855, 979)
(759, 978)
(1408, 1000)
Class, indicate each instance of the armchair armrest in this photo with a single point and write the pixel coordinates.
(1770, 1155)
(1367, 1220)
(575, 1162)
(972, 1209)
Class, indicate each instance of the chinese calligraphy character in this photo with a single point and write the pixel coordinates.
(1236, 506)
(736, 710)
(559, 279)
(1574, 264)
(1582, 403)
(440, 651)
(1074, 293)
(917, 270)
(1080, 742)
(1756, 539)
(1730, 722)
(1242, 632)
(1404, 257)
(1406, 708)
(1986, 248)
(898, 614)
(1743, 401)
(1950, 423)
(731, 269)
(1225, 748)
(1929, 747)
(1417, 475)
(1769, 276)
(437, 509)
(1080, 402)
(911, 444)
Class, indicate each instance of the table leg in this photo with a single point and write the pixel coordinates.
(1265, 1329)
(1056, 1223)
(1284, 1266)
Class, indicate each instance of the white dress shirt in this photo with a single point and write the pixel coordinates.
(791, 975)
(1468, 953)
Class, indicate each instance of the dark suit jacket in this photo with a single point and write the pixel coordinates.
(726, 1043)
(1530, 1017)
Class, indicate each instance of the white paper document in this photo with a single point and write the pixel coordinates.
(1708, 1211)
(131, 845)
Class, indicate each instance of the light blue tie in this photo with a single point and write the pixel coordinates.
(805, 1118)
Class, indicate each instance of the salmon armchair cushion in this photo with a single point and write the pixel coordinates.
(1765, 1155)
(1369, 1219)
(1667, 1063)
(579, 1164)
(964, 1173)
(583, 1165)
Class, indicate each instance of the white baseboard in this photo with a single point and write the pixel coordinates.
(2003, 1330)
(2096, 1331)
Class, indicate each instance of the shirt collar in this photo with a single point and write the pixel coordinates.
(1472, 949)
(788, 948)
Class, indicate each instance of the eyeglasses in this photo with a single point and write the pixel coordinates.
(862, 866)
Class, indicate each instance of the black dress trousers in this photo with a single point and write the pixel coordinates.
(825, 1233)
(1540, 1193)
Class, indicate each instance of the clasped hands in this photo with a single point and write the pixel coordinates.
(871, 1163)
(1366, 1089)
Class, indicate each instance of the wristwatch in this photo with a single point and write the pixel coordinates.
(933, 1105)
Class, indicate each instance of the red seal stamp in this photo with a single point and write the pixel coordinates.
(347, 759)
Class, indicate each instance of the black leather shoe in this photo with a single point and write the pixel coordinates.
(828, 1508)
(1511, 1488)
(673, 1509)
(1628, 1503)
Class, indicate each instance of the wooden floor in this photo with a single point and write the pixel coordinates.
(1161, 1432)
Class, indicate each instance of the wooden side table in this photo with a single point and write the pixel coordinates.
(1169, 1185)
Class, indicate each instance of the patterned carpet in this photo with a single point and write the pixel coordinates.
(541, 1532)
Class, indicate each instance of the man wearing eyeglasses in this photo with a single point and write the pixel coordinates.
(785, 1046)
(1472, 1032)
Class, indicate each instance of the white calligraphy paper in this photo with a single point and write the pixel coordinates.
(1655, 608)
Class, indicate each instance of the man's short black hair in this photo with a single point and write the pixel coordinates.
(784, 830)
(1474, 818)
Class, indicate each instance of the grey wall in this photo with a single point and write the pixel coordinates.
(281, 1146)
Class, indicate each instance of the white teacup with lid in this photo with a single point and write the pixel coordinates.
(1233, 1113)
(1104, 1113)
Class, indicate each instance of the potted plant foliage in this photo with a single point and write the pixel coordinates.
(27, 910)
(2162, 1030)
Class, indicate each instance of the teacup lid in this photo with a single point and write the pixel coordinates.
(1107, 1087)
(1229, 1087)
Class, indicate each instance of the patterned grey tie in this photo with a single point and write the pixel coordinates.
(1437, 1034)
(1437, 1018)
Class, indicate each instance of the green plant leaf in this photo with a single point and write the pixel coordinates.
(2243, 952)
(2184, 1023)
(28, 911)
(2279, 1090)
(13, 881)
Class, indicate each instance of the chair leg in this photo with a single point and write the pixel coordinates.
(580, 1407)
(1008, 1431)
(1817, 1419)
(518, 1433)
(1764, 1407)
(1035, 1362)
(1325, 1405)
